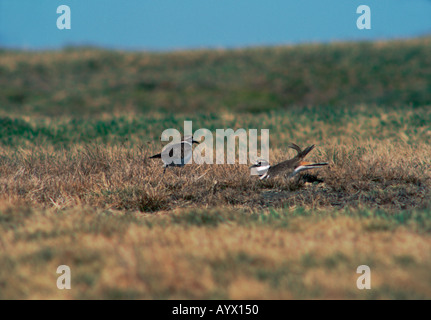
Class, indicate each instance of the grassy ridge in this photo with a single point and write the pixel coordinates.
(90, 82)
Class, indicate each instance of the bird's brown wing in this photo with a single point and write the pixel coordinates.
(306, 151)
(295, 147)
(301, 154)
(290, 165)
(283, 167)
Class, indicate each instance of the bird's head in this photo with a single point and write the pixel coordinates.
(190, 139)
(260, 168)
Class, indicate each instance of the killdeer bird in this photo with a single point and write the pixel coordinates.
(176, 155)
(291, 166)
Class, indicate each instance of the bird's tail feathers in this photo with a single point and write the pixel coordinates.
(159, 155)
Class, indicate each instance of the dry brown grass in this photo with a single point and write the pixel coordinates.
(76, 187)
(113, 255)
(213, 231)
(376, 174)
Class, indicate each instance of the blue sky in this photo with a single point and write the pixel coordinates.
(185, 24)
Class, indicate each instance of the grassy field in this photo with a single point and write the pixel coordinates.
(77, 187)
